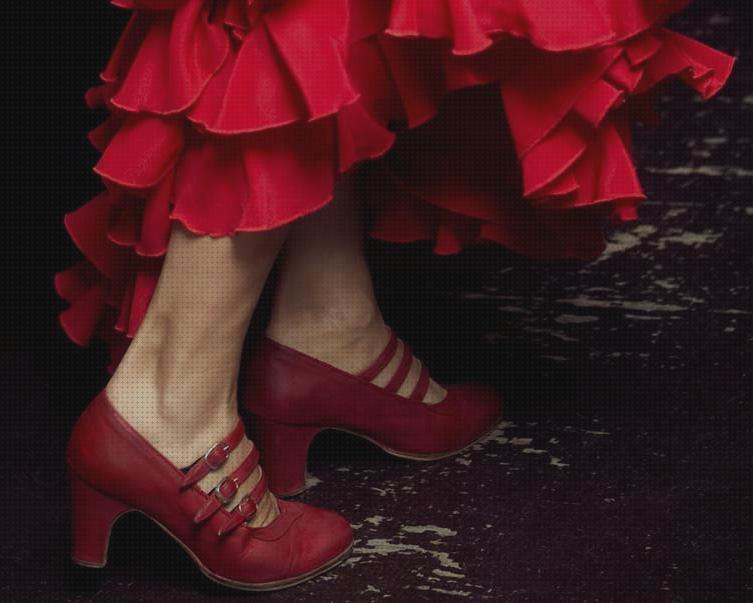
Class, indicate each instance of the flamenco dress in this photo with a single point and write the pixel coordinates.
(498, 121)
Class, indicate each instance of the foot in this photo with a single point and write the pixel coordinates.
(267, 509)
(115, 470)
(351, 345)
(290, 397)
(184, 441)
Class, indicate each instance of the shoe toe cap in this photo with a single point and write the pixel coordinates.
(323, 536)
(479, 406)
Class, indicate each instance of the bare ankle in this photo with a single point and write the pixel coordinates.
(331, 311)
(180, 440)
(344, 332)
(180, 419)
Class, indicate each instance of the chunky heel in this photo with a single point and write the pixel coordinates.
(284, 450)
(92, 517)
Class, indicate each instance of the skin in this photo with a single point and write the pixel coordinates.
(324, 302)
(177, 383)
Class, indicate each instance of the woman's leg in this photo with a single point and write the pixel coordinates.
(177, 383)
(324, 303)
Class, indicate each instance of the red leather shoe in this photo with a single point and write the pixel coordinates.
(114, 470)
(290, 397)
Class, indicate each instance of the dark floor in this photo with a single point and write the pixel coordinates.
(623, 472)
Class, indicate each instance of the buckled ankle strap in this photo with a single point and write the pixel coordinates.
(247, 508)
(215, 457)
(224, 492)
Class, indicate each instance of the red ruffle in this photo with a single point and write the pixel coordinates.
(238, 115)
(474, 25)
(570, 128)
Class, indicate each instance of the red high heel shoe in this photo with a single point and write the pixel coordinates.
(290, 397)
(114, 470)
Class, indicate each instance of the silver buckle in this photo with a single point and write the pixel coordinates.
(246, 500)
(220, 496)
(225, 449)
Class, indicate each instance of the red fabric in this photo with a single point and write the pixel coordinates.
(500, 120)
(472, 25)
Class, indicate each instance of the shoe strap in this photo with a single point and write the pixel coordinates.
(224, 491)
(402, 370)
(422, 385)
(247, 507)
(215, 457)
(382, 360)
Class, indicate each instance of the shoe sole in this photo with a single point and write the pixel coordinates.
(246, 586)
(411, 456)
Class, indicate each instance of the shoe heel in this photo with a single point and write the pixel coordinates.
(284, 451)
(92, 517)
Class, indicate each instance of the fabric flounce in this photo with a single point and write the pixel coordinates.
(569, 120)
(472, 120)
(228, 116)
(471, 26)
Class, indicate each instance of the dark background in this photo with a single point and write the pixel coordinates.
(627, 380)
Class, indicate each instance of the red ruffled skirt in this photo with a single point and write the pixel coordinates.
(473, 120)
